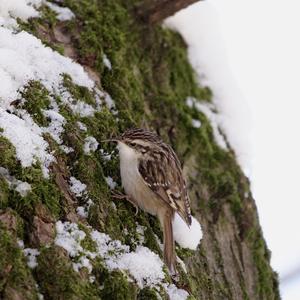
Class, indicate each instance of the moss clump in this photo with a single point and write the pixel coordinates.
(36, 100)
(268, 281)
(4, 193)
(15, 276)
(116, 286)
(8, 155)
(149, 294)
(58, 280)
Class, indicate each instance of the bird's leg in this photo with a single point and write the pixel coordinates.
(120, 196)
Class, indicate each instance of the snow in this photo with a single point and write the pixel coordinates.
(106, 97)
(105, 155)
(175, 293)
(24, 58)
(187, 237)
(27, 138)
(66, 149)
(68, 236)
(140, 230)
(31, 255)
(208, 110)
(90, 145)
(143, 265)
(20, 64)
(22, 9)
(196, 123)
(77, 187)
(20, 243)
(55, 129)
(63, 13)
(106, 62)
(82, 109)
(197, 25)
(81, 126)
(23, 188)
(83, 211)
(110, 182)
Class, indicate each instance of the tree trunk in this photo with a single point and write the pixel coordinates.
(153, 11)
(146, 72)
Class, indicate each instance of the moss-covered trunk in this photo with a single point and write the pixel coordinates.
(149, 81)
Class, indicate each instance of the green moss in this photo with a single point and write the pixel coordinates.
(268, 281)
(36, 100)
(116, 286)
(8, 155)
(149, 82)
(78, 92)
(4, 193)
(58, 280)
(14, 273)
(149, 294)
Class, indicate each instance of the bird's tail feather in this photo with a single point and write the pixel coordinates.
(169, 245)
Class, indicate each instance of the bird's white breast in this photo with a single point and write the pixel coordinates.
(133, 182)
(129, 168)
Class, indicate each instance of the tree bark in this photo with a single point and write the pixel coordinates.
(150, 79)
(155, 11)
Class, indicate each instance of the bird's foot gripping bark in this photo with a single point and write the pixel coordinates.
(120, 196)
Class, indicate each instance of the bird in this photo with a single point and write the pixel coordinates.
(152, 179)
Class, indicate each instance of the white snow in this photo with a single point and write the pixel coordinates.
(140, 230)
(207, 54)
(69, 237)
(66, 149)
(77, 187)
(22, 9)
(81, 126)
(105, 155)
(31, 255)
(55, 127)
(196, 123)
(63, 13)
(23, 58)
(82, 109)
(27, 138)
(175, 293)
(106, 61)
(90, 145)
(142, 264)
(20, 243)
(213, 117)
(83, 211)
(106, 97)
(187, 237)
(110, 182)
(23, 188)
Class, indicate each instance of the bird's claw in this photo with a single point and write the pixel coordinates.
(118, 195)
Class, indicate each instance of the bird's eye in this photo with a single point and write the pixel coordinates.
(132, 144)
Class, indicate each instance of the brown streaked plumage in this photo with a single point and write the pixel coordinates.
(152, 177)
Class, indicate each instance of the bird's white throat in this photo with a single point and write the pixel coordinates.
(126, 153)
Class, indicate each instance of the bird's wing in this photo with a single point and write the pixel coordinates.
(163, 175)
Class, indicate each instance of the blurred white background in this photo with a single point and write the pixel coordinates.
(249, 53)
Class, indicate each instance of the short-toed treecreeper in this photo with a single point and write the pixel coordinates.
(152, 179)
